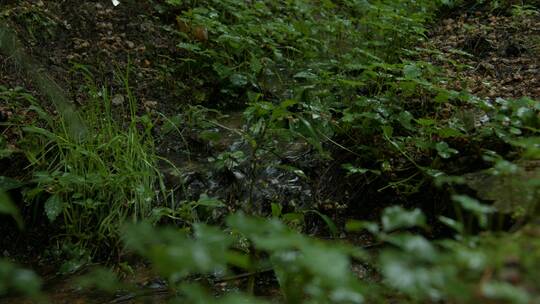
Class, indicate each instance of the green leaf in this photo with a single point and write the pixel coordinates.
(449, 132)
(313, 137)
(412, 71)
(457, 226)
(41, 131)
(210, 135)
(7, 183)
(353, 83)
(444, 150)
(18, 280)
(388, 131)
(207, 201)
(238, 80)
(7, 207)
(189, 47)
(398, 218)
(53, 207)
(305, 75)
(506, 293)
(405, 118)
(415, 245)
(5, 153)
(405, 273)
(316, 257)
(479, 210)
(472, 204)
(276, 209)
(357, 226)
(355, 170)
(175, 2)
(255, 65)
(329, 223)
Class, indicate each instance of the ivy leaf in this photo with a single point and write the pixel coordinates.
(53, 207)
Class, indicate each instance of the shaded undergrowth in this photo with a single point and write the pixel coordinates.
(341, 104)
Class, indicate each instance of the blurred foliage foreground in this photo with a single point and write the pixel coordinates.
(350, 80)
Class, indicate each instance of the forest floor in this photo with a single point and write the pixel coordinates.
(500, 58)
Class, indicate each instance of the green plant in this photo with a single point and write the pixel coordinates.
(91, 185)
(177, 255)
(414, 268)
(38, 23)
(14, 279)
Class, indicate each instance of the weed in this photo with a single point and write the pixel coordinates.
(94, 184)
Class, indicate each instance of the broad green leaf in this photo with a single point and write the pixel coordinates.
(316, 258)
(405, 118)
(276, 209)
(415, 245)
(405, 273)
(412, 71)
(444, 150)
(457, 226)
(18, 280)
(449, 132)
(472, 204)
(398, 218)
(207, 201)
(505, 292)
(388, 131)
(238, 80)
(357, 226)
(312, 137)
(210, 135)
(53, 207)
(479, 210)
(255, 65)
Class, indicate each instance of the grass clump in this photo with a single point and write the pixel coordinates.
(96, 182)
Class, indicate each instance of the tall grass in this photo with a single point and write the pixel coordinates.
(96, 183)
